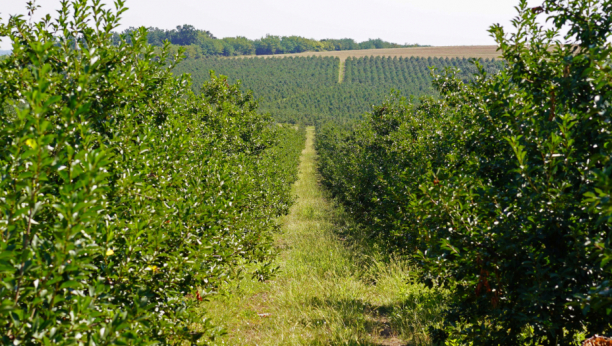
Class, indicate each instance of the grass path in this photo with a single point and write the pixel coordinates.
(332, 288)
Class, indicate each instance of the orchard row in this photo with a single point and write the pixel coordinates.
(126, 199)
(500, 188)
(307, 89)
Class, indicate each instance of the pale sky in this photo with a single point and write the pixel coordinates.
(431, 22)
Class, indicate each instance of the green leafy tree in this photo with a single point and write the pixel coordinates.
(184, 35)
(499, 187)
(126, 198)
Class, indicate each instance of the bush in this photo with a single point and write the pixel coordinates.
(489, 187)
(125, 197)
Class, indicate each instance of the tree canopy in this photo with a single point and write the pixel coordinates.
(204, 43)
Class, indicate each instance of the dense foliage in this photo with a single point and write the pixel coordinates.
(183, 35)
(125, 198)
(500, 187)
(410, 75)
(201, 43)
(307, 89)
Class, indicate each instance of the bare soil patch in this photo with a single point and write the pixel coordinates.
(483, 52)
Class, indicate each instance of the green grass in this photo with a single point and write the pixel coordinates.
(334, 287)
(341, 72)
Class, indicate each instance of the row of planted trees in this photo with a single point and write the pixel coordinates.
(411, 74)
(125, 198)
(499, 188)
(307, 89)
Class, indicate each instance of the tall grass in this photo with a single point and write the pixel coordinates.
(334, 286)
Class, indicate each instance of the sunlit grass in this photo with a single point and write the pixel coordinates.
(333, 288)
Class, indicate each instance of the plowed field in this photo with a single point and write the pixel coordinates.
(440, 52)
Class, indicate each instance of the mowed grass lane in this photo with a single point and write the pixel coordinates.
(334, 286)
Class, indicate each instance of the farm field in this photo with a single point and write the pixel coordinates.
(308, 89)
(154, 198)
(479, 52)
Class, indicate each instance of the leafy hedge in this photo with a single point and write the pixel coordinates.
(125, 198)
(500, 188)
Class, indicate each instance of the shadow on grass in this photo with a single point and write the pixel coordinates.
(370, 321)
(406, 318)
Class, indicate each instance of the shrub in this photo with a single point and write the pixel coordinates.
(488, 186)
(125, 197)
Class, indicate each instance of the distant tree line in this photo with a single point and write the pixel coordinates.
(201, 43)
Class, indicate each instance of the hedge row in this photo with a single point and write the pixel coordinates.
(501, 187)
(125, 198)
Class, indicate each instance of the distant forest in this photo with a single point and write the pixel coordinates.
(201, 43)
